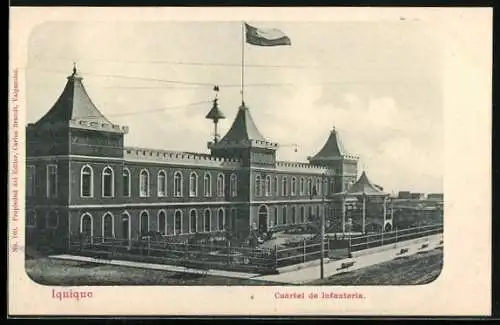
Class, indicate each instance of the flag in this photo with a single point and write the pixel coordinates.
(266, 36)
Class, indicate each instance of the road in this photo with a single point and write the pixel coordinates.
(331, 268)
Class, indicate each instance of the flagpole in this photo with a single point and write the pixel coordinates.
(242, 63)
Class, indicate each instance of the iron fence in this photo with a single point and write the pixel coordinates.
(238, 258)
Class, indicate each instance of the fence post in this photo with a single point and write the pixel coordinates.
(276, 255)
(149, 245)
(304, 257)
(382, 240)
(367, 245)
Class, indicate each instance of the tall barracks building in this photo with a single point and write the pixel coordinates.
(81, 179)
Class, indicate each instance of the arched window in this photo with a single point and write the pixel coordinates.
(178, 222)
(318, 212)
(144, 183)
(310, 214)
(193, 184)
(284, 186)
(332, 186)
(325, 186)
(318, 186)
(294, 186)
(162, 222)
(276, 187)
(268, 185)
(108, 182)
(31, 219)
(263, 213)
(294, 220)
(302, 186)
(302, 214)
(276, 216)
(126, 227)
(207, 185)
(107, 226)
(284, 216)
(162, 183)
(30, 180)
(220, 185)
(126, 182)
(52, 186)
(221, 222)
(258, 185)
(233, 185)
(52, 219)
(144, 222)
(309, 186)
(86, 225)
(86, 181)
(234, 216)
(193, 218)
(207, 220)
(177, 184)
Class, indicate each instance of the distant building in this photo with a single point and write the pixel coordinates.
(417, 196)
(435, 196)
(404, 195)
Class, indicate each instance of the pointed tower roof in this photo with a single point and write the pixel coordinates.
(333, 149)
(74, 103)
(74, 107)
(364, 186)
(243, 132)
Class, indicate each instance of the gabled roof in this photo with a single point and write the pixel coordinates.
(333, 149)
(73, 104)
(242, 131)
(364, 187)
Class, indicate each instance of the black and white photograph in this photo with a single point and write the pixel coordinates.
(226, 153)
(237, 153)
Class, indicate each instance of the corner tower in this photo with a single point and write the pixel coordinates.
(245, 142)
(333, 155)
(74, 125)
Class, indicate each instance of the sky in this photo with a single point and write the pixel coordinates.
(377, 83)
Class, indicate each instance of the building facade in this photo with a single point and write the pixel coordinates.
(81, 179)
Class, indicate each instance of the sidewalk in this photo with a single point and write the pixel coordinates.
(162, 267)
(361, 261)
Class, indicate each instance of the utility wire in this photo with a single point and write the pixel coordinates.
(207, 84)
(149, 111)
(213, 64)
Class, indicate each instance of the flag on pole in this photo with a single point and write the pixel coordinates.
(266, 36)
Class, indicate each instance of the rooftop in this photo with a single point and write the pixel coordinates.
(75, 108)
(333, 149)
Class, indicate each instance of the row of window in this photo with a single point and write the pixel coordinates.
(281, 216)
(108, 222)
(108, 183)
(267, 187)
(177, 191)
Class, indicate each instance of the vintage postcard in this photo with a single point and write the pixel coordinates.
(245, 161)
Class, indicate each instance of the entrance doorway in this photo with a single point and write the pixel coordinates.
(263, 215)
(126, 226)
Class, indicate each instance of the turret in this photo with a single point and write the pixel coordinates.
(333, 155)
(244, 141)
